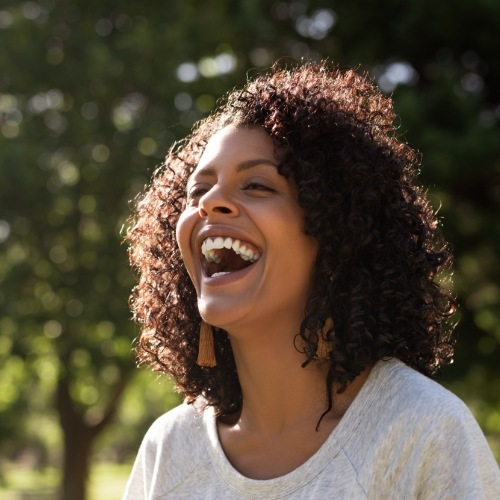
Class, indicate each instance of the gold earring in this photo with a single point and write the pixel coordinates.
(324, 345)
(206, 350)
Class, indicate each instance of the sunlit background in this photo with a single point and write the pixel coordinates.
(93, 93)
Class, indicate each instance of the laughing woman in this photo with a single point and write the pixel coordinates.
(290, 282)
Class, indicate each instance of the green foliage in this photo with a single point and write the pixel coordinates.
(92, 94)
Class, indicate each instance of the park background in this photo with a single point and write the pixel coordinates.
(93, 93)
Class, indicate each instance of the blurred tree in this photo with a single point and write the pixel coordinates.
(93, 94)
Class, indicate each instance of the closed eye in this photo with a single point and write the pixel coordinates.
(196, 193)
(256, 186)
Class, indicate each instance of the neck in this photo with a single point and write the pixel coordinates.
(278, 393)
(275, 432)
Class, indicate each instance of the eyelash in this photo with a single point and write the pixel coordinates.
(197, 193)
(251, 186)
(256, 186)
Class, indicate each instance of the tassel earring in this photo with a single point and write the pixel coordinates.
(206, 350)
(324, 345)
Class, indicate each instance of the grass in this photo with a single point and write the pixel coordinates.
(22, 483)
(106, 481)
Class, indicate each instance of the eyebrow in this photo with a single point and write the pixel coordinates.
(244, 165)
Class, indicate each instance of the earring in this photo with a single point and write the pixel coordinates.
(206, 350)
(324, 345)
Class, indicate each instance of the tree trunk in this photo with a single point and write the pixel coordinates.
(77, 449)
(78, 439)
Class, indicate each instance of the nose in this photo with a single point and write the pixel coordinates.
(217, 202)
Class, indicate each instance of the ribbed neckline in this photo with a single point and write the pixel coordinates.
(287, 484)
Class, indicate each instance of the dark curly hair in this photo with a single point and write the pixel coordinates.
(382, 264)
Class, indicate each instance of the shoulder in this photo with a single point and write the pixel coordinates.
(180, 426)
(407, 404)
(418, 436)
(173, 449)
(182, 416)
(401, 391)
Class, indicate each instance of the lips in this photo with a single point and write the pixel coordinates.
(224, 254)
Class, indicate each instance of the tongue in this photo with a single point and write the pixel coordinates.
(231, 261)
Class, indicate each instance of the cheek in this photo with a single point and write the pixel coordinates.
(183, 233)
(302, 248)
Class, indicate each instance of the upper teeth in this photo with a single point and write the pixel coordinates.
(211, 244)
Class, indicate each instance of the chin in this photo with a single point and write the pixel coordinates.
(225, 313)
(216, 312)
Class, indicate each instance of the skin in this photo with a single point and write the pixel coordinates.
(237, 191)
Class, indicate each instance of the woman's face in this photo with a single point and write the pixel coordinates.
(242, 234)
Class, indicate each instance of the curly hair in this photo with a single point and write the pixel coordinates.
(381, 270)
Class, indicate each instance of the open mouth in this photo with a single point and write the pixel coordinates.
(224, 255)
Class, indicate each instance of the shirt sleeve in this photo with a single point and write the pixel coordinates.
(141, 475)
(456, 461)
(429, 450)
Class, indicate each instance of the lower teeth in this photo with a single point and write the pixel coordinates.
(218, 274)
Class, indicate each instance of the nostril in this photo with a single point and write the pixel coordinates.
(223, 210)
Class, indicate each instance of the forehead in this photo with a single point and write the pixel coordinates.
(233, 145)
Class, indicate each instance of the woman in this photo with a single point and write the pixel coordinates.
(290, 283)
